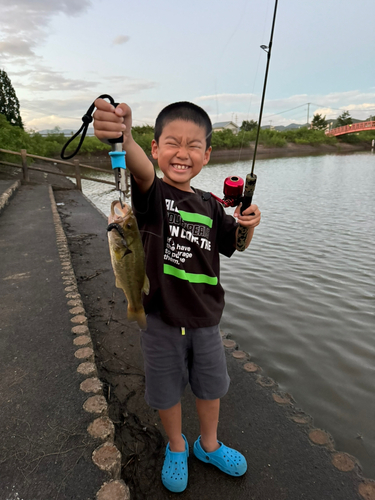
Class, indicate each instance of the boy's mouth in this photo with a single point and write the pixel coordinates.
(180, 166)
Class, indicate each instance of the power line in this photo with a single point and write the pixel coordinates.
(319, 106)
(286, 111)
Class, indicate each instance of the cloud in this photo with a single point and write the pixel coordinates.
(14, 47)
(45, 80)
(125, 85)
(120, 40)
(226, 97)
(26, 16)
(225, 107)
(30, 20)
(39, 114)
(66, 113)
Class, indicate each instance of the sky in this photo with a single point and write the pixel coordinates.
(62, 54)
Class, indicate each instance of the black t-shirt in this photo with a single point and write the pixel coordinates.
(183, 234)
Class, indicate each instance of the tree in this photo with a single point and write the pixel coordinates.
(319, 122)
(9, 104)
(247, 125)
(344, 119)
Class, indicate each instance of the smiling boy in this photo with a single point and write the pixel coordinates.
(183, 231)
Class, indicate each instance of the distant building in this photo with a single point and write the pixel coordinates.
(219, 126)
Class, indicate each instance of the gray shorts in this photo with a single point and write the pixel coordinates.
(172, 359)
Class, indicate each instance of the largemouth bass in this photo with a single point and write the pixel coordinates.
(128, 260)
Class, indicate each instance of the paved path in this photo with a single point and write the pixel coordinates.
(45, 450)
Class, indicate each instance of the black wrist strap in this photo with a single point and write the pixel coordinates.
(86, 119)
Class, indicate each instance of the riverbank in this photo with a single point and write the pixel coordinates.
(100, 158)
(291, 149)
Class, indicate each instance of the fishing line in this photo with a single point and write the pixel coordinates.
(255, 78)
(223, 51)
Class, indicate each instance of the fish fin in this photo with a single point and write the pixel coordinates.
(139, 316)
(146, 285)
(117, 283)
(127, 251)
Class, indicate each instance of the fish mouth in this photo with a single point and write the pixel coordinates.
(119, 229)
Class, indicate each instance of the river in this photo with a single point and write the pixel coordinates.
(301, 299)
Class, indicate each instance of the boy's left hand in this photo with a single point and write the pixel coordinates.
(247, 220)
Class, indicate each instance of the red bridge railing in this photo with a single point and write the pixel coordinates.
(354, 127)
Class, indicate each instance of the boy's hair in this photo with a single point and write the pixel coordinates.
(186, 111)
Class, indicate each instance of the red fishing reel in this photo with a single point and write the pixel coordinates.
(233, 192)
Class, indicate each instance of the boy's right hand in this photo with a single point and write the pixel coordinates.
(111, 122)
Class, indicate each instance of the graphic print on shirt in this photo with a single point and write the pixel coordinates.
(195, 229)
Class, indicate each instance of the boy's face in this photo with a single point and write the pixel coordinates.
(181, 152)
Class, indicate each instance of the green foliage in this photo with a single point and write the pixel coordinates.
(143, 136)
(305, 135)
(271, 138)
(319, 122)
(143, 129)
(225, 139)
(15, 139)
(248, 126)
(9, 104)
(359, 137)
(344, 119)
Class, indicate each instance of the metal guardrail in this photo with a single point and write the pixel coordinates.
(75, 163)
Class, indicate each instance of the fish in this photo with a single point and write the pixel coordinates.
(128, 260)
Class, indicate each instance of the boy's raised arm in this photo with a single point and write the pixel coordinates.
(110, 123)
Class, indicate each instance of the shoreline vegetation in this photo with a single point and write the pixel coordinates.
(226, 146)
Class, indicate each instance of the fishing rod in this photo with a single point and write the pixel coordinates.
(117, 154)
(233, 186)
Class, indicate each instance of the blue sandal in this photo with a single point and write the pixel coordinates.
(174, 474)
(226, 459)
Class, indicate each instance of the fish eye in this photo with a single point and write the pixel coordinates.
(128, 225)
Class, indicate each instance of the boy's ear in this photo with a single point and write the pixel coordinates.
(154, 149)
(207, 155)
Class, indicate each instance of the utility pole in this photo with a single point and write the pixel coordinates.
(308, 113)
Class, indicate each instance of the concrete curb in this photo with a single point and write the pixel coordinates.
(317, 437)
(7, 195)
(106, 456)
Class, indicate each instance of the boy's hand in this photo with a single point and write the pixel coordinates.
(111, 122)
(247, 220)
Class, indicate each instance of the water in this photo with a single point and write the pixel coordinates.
(301, 299)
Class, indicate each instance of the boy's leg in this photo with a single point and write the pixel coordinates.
(208, 413)
(171, 420)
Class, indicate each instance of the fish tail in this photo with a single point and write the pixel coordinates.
(137, 315)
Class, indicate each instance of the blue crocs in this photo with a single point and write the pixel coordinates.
(226, 459)
(174, 474)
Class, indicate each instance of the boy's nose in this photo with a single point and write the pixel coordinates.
(182, 153)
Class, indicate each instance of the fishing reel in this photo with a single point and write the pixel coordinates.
(233, 192)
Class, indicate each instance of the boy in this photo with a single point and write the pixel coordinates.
(183, 232)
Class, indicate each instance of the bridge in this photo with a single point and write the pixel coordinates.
(353, 127)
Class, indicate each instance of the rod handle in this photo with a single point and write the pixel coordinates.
(116, 139)
(251, 180)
